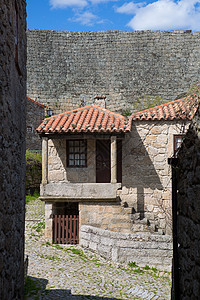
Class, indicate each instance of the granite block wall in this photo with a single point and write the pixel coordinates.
(144, 249)
(106, 215)
(68, 69)
(34, 117)
(146, 176)
(57, 163)
(12, 147)
(188, 185)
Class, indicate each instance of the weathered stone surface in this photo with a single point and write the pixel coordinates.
(67, 69)
(144, 249)
(34, 116)
(12, 147)
(188, 170)
(80, 191)
(146, 180)
(146, 176)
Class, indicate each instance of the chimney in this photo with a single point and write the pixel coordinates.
(100, 101)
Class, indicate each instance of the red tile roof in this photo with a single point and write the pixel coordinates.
(90, 118)
(179, 109)
(39, 104)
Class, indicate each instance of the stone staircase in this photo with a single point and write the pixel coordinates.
(130, 221)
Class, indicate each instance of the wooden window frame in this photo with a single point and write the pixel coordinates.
(175, 148)
(78, 153)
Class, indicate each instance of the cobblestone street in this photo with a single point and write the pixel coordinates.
(70, 272)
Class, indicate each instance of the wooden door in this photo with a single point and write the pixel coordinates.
(66, 223)
(66, 229)
(103, 166)
(103, 161)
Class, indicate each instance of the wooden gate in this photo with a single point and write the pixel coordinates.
(66, 229)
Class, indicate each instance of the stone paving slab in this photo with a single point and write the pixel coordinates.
(71, 272)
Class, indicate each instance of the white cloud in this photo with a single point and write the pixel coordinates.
(66, 3)
(86, 18)
(165, 15)
(100, 1)
(75, 3)
(129, 8)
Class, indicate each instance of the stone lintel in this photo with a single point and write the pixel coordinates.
(79, 191)
(82, 200)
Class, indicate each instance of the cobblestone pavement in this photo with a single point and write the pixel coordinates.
(70, 272)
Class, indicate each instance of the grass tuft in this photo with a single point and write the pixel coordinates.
(30, 197)
(132, 264)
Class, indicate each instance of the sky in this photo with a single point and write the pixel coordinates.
(93, 15)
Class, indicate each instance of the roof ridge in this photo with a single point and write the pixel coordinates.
(86, 107)
(90, 118)
(161, 105)
(36, 102)
(176, 109)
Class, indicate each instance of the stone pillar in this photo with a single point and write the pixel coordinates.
(113, 154)
(49, 221)
(44, 160)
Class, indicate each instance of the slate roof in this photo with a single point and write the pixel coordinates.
(88, 119)
(184, 109)
(37, 103)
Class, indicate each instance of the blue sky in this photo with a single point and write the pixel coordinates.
(82, 15)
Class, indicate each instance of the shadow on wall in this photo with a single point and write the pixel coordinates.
(37, 287)
(187, 251)
(138, 171)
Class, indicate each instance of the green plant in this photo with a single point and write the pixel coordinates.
(154, 269)
(147, 101)
(146, 267)
(79, 253)
(35, 156)
(32, 197)
(39, 226)
(194, 91)
(126, 112)
(31, 287)
(139, 271)
(132, 264)
(58, 247)
(33, 170)
(76, 251)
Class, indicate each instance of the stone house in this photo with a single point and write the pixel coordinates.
(35, 113)
(108, 171)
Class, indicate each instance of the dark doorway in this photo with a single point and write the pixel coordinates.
(103, 167)
(66, 223)
(119, 161)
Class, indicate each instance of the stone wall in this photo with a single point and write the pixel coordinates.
(106, 215)
(188, 184)
(68, 69)
(57, 163)
(146, 176)
(12, 147)
(34, 117)
(145, 198)
(144, 249)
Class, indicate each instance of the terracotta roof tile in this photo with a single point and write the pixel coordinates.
(39, 104)
(184, 108)
(90, 118)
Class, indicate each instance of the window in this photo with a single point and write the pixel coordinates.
(178, 139)
(29, 129)
(77, 153)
